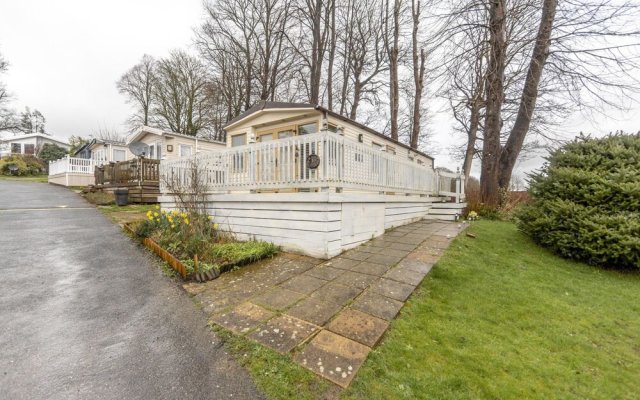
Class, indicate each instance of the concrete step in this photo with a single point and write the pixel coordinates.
(448, 206)
(440, 217)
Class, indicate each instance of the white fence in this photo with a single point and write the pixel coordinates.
(321, 160)
(71, 165)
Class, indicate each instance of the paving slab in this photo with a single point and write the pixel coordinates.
(333, 357)
(356, 279)
(392, 289)
(377, 305)
(341, 263)
(303, 284)
(336, 293)
(277, 298)
(356, 255)
(325, 273)
(405, 275)
(415, 265)
(384, 259)
(283, 333)
(315, 311)
(243, 318)
(371, 268)
(359, 326)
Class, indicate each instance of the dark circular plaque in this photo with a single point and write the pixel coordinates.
(313, 161)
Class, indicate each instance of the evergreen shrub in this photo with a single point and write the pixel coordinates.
(585, 201)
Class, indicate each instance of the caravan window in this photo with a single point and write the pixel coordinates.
(119, 155)
(307, 129)
(238, 140)
(185, 150)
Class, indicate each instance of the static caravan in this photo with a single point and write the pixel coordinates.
(268, 121)
(164, 145)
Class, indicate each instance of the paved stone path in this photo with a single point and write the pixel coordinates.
(328, 314)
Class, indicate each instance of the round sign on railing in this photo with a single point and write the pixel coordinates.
(313, 161)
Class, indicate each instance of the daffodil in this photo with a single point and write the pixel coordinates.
(155, 214)
(157, 207)
(215, 226)
(210, 217)
(150, 217)
(186, 221)
(172, 226)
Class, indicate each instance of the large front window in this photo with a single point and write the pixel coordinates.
(16, 148)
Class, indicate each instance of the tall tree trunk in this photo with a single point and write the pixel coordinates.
(418, 74)
(394, 90)
(521, 126)
(472, 136)
(494, 88)
(332, 54)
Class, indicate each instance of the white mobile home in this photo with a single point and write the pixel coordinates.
(29, 144)
(164, 145)
(313, 181)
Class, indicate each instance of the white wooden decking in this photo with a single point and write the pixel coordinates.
(272, 191)
(71, 171)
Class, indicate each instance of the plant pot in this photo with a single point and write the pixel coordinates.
(122, 196)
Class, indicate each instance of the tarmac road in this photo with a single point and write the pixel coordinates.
(85, 313)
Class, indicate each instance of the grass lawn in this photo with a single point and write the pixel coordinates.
(498, 317)
(501, 318)
(27, 178)
(128, 213)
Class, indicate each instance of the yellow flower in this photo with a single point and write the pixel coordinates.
(183, 215)
(186, 221)
(215, 226)
(155, 214)
(172, 226)
(157, 207)
(169, 218)
(149, 213)
(210, 217)
(150, 217)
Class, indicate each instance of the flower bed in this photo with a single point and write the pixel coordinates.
(200, 250)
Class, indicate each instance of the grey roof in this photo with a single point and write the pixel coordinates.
(269, 105)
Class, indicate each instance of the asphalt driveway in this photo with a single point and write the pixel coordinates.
(85, 313)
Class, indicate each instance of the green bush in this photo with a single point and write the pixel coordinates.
(27, 165)
(51, 152)
(586, 202)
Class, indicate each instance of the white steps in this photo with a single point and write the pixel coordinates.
(445, 211)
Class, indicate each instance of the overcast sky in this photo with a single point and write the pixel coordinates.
(66, 55)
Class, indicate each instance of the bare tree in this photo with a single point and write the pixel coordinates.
(363, 53)
(392, 36)
(181, 92)
(419, 59)
(580, 47)
(137, 85)
(8, 120)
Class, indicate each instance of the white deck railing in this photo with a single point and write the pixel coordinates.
(71, 165)
(287, 164)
